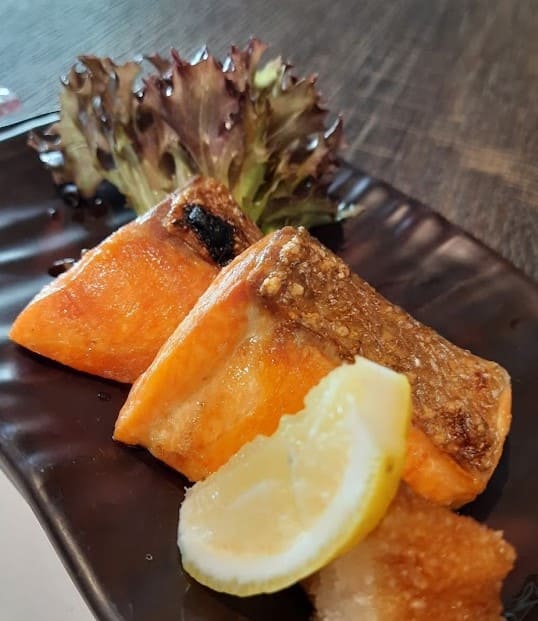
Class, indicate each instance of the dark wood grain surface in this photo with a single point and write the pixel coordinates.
(439, 96)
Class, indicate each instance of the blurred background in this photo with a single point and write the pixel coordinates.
(439, 97)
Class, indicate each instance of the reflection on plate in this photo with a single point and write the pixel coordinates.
(112, 511)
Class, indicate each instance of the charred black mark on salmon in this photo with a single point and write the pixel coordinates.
(216, 234)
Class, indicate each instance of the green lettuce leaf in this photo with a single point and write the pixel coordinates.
(256, 128)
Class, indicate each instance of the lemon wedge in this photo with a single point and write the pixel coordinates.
(285, 505)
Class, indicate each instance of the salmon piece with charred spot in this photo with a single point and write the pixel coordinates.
(276, 320)
(111, 312)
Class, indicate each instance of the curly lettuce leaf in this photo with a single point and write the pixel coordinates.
(256, 128)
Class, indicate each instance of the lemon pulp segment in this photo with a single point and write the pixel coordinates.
(285, 505)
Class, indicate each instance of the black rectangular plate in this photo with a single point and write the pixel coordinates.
(112, 511)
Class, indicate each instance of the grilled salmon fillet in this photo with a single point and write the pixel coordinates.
(422, 562)
(276, 320)
(111, 312)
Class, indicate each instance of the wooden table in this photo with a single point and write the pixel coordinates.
(440, 97)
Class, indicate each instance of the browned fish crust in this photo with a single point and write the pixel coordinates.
(422, 562)
(288, 283)
(455, 393)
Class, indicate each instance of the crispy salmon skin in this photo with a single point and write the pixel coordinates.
(111, 312)
(276, 320)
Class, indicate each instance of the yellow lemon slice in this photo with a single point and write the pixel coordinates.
(285, 505)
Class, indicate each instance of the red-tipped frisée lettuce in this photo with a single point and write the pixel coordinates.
(254, 127)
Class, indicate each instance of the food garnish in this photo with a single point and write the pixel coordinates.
(286, 504)
(254, 127)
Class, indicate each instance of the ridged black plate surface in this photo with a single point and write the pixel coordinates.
(112, 511)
